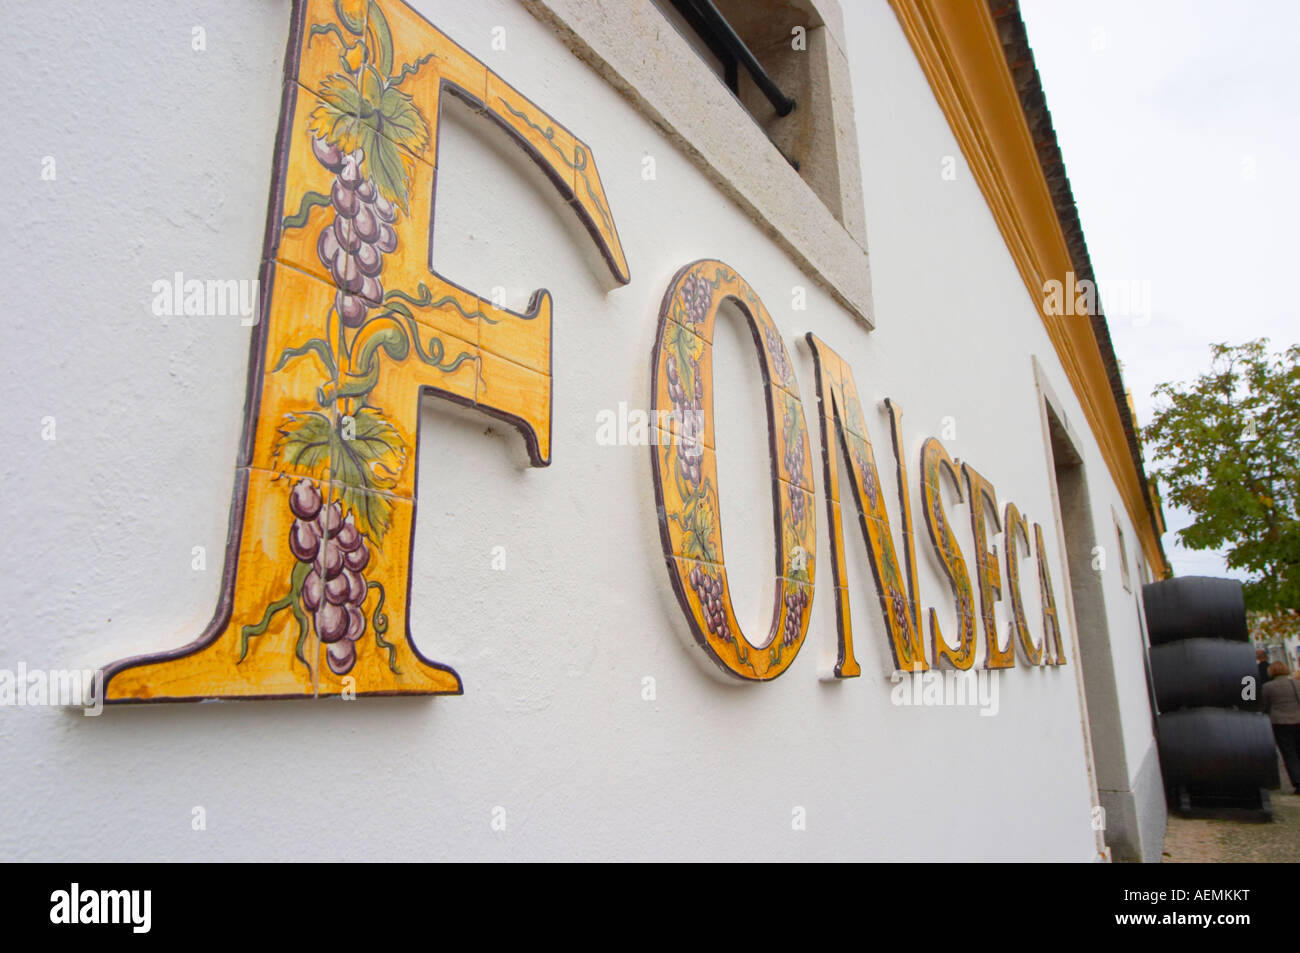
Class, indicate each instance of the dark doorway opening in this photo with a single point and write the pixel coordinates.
(1092, 649)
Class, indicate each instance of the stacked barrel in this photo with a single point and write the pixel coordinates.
(1216, 748)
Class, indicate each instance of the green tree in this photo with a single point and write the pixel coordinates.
(1229, 452)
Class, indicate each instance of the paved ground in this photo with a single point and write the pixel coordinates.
(1190, 841)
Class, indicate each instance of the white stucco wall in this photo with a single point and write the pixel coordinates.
(163, 164)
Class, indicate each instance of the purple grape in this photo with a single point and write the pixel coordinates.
(358, 558)
(341, 656)
(356, 586)
(366, 191)
(387, 240)
(329, 563)
(351, 309)
(330, 156)
(385, 209)
(331, 622)
(347, 536)
(367, 225)
(327, 247)
(345, 234)
(349, 276)
(304, 500)
(350, 174)
(345, 201)
(371, 290)
(331, 518)
(356, 622)
(303, 541)
(313, 591)
(370, 260)
(336, 589)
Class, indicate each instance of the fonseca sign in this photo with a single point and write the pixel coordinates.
(356, 329)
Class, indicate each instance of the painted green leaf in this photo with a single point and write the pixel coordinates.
(369, 93)
(303, 443)
(371, 459)
(790, 414)
(373, 512)
(682, 344)
(699, 536)
(386, 165)
(336, 119)
(382, 36)
(392, 112)
(402, 121)
(374, 455)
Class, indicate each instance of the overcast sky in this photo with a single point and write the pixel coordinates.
(1180, 130)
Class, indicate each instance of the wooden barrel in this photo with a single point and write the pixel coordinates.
(1217, 751)
(1196, 673)
(1195, 607)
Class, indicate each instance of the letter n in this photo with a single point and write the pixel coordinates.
(844, 431)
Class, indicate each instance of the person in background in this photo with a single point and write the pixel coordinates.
(1280, 699)
(1261, 679)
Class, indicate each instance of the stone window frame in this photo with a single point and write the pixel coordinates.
(676, 90)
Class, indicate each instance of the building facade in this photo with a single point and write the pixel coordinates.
(291, 438)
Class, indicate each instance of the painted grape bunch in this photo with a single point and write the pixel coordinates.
(353, 246)
(365, 131)
(964, 605)
(334, 590)
(780, 362)
(695, 295)
(869, 485)
(795, 602)
(709, 588)
(898, 610)
(794, 465)
(936, 510)
(689, 411)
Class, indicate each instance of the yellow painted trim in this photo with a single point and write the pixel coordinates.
(957, 44)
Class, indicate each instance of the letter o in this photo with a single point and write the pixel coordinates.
(686, 473)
